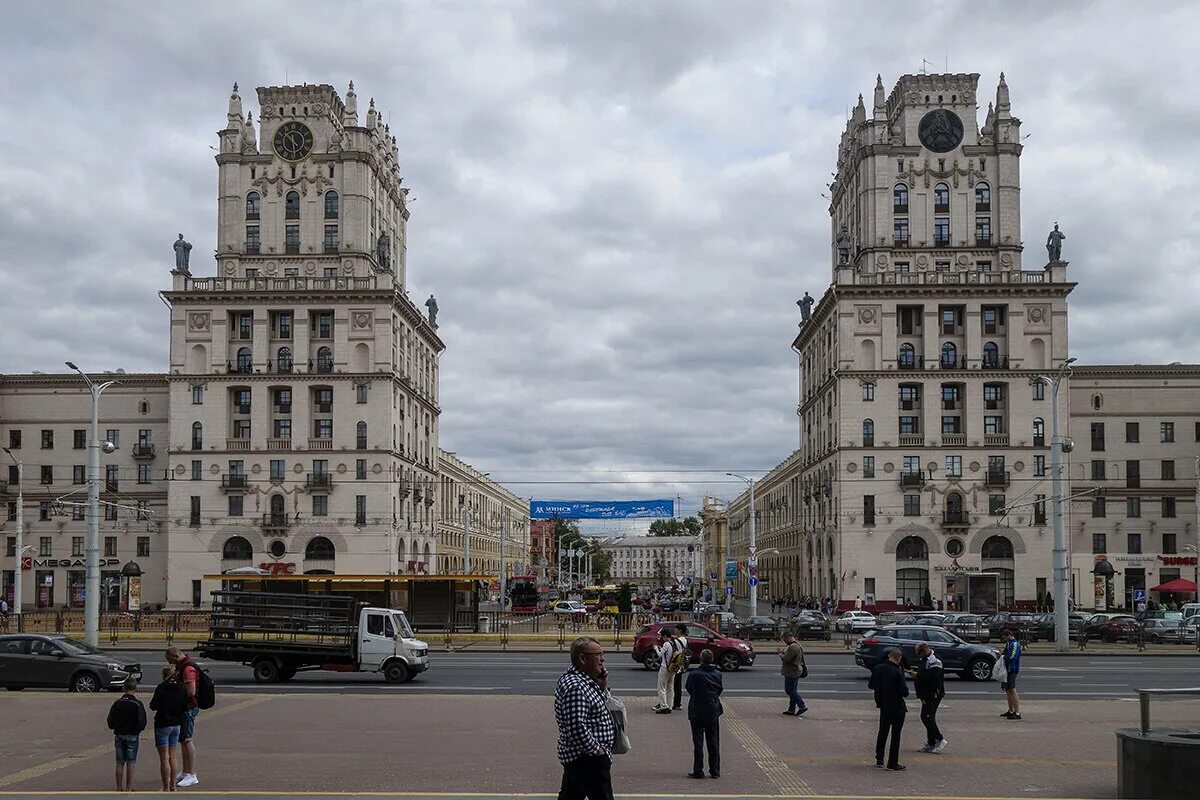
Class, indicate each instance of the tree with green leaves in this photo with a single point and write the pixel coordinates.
(688, 526)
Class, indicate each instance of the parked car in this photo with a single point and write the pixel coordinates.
(1123, 627)
(1046, 625)
(759, 627)
(809, 625)
(1096, 622)
(731, 653)
(61, 662)
(855, 622)
(968, 627)
(1167, 630)
(686, 604)
(1161, 613)
(1022, 624)
(920, 618)
(569, 608)
(970, 661)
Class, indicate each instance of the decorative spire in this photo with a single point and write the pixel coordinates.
(880, 113)
(988, 126)
(350, 117)
(860, 111)
(1003, 106)
(372, 115)
(249, 139)
(234, 114)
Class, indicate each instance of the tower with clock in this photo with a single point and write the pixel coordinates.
(311, 375)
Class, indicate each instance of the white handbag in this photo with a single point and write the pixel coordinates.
(999, 672)
(616, 707)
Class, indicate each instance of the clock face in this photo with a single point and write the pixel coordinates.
(941, 130)
(294, 141)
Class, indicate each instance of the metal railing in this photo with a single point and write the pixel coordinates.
(1144, 696)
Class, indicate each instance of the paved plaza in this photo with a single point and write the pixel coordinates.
(451, 744)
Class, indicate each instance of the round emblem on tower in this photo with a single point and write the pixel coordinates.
(941, 130)
(294, 141)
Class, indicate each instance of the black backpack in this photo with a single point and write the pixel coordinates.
(206, 690)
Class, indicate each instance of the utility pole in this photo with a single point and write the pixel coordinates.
(466, 526)
(503, 532)
(19, 539)
(1062, 639)
(752, 561)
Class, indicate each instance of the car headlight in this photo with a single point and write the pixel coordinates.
(744, 646)
(116, 667)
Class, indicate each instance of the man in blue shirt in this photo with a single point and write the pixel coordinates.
(1012, 664)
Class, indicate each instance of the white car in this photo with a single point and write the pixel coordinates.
(855, 622)
(569, 607)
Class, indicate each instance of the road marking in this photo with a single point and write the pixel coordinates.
(418, 795)
(770, 762)
(320, 687)
(99, 750)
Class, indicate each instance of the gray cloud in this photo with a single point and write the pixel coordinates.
(617, 203)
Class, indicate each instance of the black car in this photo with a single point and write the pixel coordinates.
(1023, 625)
(968, 627)
(60, 662)
(1046, 625)
(970, 661)
(810, 625)
(759, 628)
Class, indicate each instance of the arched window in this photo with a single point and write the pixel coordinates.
(236, 548)
(983, 197)
(319, 548)
(1039, 432)
(907, 358)
(949, 355)
(912, 548)
(245, 362)
(331, 205)
(360, 436)
(277, 506)
(868, 433)
(253, 205)
(998, 547)
(954, 508)
(197, 436)
(991, 355)
(291, 206)
(324, 359)
(941, 199)
(900, 199)
(283, 359)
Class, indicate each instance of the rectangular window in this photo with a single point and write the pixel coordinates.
(113, 435)
(324, 428)
(47, 440)
(112, 478)
(1039, 509)
(360, 509)
(45, 547)
(1133, 474)
(993, 319)
(1098, 436)
(241, 401)
(360, 393)
(331, 272)
(1099, 543)
(235, 505)
(10, 548)
(983, 231)
(78, 474)
(278, 469)
(1099, 507)
(283, 401)
(993, 395)
(1168, 469)
(241, 429)
(78, 511)
(237, 467)
(869, 509)
(1166, 431)
(47, 474)
(1168, 507)
(282, 428)
(868, 466)
(197, 468)
(951, 424)
(941, 232)
(253, 239)
(111, 511)
(143, 547)
(197, 395)
(908, 426)
(1132, 432)
(1039, 390)
(912, 505)
(993, 426)
(76, 546)
(912, 465)
(143, 474)
(1197, 432)
(1133, 506)
(331, 238)
(194, 517)
(996, 504)
(110, 546)
(1097, 469)
(1169, 546)
(320, 466)
(360, 469)
(291, 239)
(143, 436)
(251, 273)
(900, 233)
(910, 319)
(320, 505)
(1039, 466)
(953, 466)
(1133, 543)
(324, 325)
(143, 510)
(14, 438)
(79, 440)
(902, 266)
(283, 325)
(868, 391)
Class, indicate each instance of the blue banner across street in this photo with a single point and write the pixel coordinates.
(614, 509)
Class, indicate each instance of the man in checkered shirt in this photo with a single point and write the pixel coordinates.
(585, 725)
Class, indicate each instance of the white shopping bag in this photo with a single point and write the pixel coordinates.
(620, 720)
(999, 673)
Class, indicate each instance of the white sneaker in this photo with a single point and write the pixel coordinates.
(939, 747)
(927, 748)
(180, 777)
(188, 780)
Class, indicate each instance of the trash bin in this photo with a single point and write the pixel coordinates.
(485, 623)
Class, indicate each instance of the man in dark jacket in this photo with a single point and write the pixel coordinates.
(887, 680)
(704, 713)
(127, 720)
(927, 680)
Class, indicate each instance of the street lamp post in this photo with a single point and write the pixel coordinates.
(1062, 639)
(466, 526)
(753, 560)
(91, 585)
(20, 532)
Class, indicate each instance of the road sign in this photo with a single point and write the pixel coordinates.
(691, 548)
(712, 575)
(753, 581)
(1139, 594)
(729, 590)
(753, 560)
(731, 570)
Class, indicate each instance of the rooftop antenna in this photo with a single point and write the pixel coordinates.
(924, 63)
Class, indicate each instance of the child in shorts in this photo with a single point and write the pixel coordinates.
(169, 704)
(127, 720)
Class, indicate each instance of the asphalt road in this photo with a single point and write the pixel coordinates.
(830, 676)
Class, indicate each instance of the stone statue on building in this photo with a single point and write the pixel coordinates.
(182, 253)
(383, 251)
(843, 245)
(432, 305)
(1054, 244)
(806, 304)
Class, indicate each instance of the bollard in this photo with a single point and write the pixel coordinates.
(562, 634)
(1141, 640)
(504, 635)
(616, 633)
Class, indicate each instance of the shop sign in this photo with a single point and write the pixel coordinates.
(954, 566)
(1178, 560)
(1134, 559)
(30, 563)
(278, 567)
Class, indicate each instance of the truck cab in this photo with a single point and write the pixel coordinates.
(386, 644)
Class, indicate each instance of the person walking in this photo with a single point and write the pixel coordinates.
(681, 646)
(664, 650)
(930, 687)
(887, 681)
(170, 707)
(704, 687)
(189, 676)
(1012, 666)
(585, 725)
(791, 665)
(127, 720)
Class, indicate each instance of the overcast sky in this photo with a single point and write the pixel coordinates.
(616, 204)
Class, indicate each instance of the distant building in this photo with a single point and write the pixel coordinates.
(650, 562)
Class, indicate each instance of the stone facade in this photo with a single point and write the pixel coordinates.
(487, 506)
(645, 560)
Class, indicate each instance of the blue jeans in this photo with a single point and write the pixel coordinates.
(126, 745)
(166, 737)
(188, 728)
(791, 687)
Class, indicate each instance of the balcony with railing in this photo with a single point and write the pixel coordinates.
(954, 440)
(233, 482)
(277, 443)
(324, 366)
(994, 362)
(319, 481)
(995, 439)
(983, 241)
(143, 450)
(941, 241)
(280, 366)
(276, 521)
(912, 479)
(900, 241)
(320, 444)
(912, 440)
(945, 362)
(907, 361)
(996, 478)
(238, 445)
(955, 518)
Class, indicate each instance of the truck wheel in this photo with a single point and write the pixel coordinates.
(266, 671)
(396, 672)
